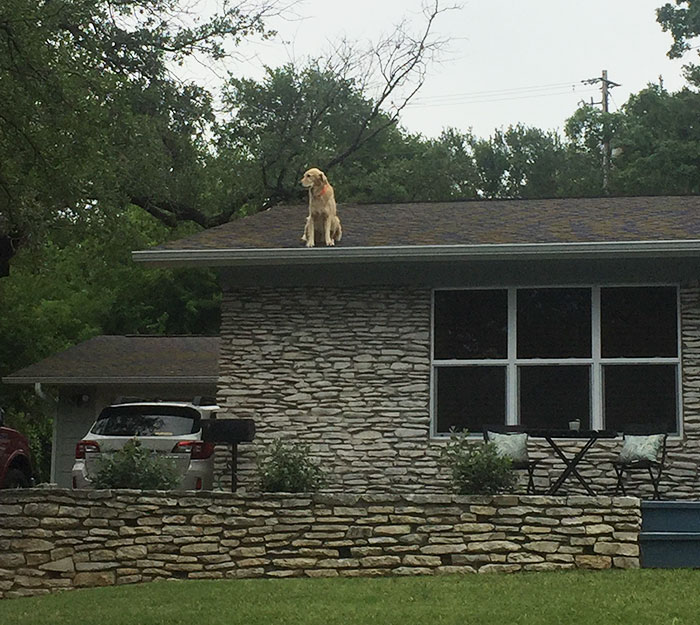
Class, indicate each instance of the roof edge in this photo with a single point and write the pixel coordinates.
(73, 381)
(416, 253)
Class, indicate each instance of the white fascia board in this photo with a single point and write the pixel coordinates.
(418, 253)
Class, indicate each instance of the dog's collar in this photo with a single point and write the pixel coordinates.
(323, 191)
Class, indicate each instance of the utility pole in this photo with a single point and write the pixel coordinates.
(605, 86)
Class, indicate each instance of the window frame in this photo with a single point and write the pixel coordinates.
(596, 361)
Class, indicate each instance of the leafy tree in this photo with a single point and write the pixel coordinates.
(81, 282)
(683, 22)
(519, 162)
(658, 144)
(92, 118)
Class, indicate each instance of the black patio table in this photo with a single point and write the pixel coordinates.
(552, 435)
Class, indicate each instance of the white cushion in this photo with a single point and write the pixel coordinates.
(639, 448)
(513, 446)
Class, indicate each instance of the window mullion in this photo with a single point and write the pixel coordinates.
(512, 370)
(596, 367)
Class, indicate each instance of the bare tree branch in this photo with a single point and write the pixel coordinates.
(392, 71)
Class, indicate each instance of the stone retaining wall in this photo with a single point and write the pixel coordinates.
(59, 539)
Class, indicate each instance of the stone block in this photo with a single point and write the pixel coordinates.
(599, 528)
(199, 548)
(493, 546)
(380, 561)
(88, 579)
(593, 562)
(64, 565)
(542, 546)
(617, 549)
(500, 568)
(422, 561)
(131, 552)
(392, 530)
(27, 545)
(11, 560)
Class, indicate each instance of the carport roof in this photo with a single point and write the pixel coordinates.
(128, 359)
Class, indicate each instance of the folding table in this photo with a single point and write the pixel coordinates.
(554, 438)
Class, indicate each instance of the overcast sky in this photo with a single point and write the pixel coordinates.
(508, 61)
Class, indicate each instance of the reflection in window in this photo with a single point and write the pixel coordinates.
(551, 396)
(532, 346)
(554, 323)
(469, 397)
(471, 324)
(640, 394)
(639, 322)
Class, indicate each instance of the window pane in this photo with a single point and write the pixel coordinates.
(639, 322)
(640, 395)
(469, 397)
(471, 324)
(554, 323)
(551, 396)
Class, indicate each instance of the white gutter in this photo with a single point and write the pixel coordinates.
(418, 253)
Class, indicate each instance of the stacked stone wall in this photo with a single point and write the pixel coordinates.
(347, 371)
(60, 539)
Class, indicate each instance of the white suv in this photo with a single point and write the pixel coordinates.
(172, 429)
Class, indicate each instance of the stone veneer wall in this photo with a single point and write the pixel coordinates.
(347, 370)
(59, 539)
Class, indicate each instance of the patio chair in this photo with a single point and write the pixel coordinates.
(641, 452)
(511, 441)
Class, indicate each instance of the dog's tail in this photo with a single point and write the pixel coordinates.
(336, 229)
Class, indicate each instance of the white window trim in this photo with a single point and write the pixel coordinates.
(596, 361)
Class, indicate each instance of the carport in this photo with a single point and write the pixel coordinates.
(96, 373)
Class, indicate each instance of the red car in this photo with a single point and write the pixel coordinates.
(15, 458)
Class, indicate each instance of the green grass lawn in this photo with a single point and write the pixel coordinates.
(641, 597)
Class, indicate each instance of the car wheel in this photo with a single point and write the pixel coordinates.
(16, 479)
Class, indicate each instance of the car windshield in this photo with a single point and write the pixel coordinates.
(146, 421)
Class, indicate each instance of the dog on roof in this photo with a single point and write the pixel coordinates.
(323, 216)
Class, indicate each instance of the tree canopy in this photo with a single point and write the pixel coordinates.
(93, 118)
(683, 22)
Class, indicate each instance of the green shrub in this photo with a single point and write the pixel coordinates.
(476, 468)
(287, 468)
(135, 467)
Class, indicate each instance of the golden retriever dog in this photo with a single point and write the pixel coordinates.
(322, 210)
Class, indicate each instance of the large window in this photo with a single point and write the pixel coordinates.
(608, 356)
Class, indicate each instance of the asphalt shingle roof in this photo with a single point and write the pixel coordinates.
(133, 359)
(577, 220)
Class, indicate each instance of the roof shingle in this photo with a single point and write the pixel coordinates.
(574, 220)
(133, 359)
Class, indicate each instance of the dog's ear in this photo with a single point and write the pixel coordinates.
(323, 178)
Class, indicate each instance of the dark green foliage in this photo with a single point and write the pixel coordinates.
(287, 468)
(683, 22)
(475, 467)
(92, 115)
(135, 467)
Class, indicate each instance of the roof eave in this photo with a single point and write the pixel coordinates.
(99, 380)
(417, 253)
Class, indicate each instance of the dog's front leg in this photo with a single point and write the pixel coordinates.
(310, 233)
(305, 236)
(327, 231)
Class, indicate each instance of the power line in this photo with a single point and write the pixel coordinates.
(499, 95)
